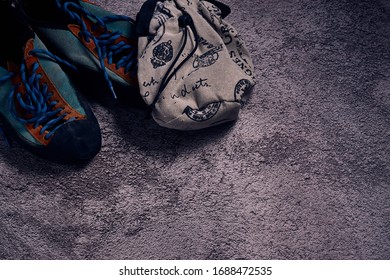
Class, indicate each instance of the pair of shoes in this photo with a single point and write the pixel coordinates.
(45, 41)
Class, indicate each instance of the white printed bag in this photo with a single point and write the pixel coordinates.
(194, 69)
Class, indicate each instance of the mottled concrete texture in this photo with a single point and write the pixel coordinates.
(303, 174)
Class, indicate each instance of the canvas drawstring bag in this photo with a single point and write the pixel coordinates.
(194, 69)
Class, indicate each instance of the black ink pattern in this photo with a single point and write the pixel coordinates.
(228, 33)
(208, 58)
(205, 60)
(203, 114)
(242, 63)
(162, 54)
(161, 14)
(241, 88)
(200, 83)
(205, 43)
(151, 83)
(185, 91)
(214, 12)
(160, 17)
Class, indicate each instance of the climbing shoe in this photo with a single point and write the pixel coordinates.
(39, 106)
(101, 44)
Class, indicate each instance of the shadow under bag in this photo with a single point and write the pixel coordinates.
(194, 69)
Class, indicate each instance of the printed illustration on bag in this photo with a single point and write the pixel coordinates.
(207, 59)
(241, 88)
(162, 54)
(203, 114)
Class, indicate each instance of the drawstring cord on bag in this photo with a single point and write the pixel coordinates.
(185, 20)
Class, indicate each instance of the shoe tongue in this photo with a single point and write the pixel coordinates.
(15, 31)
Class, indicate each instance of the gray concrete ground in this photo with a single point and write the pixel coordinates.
(303, 174)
